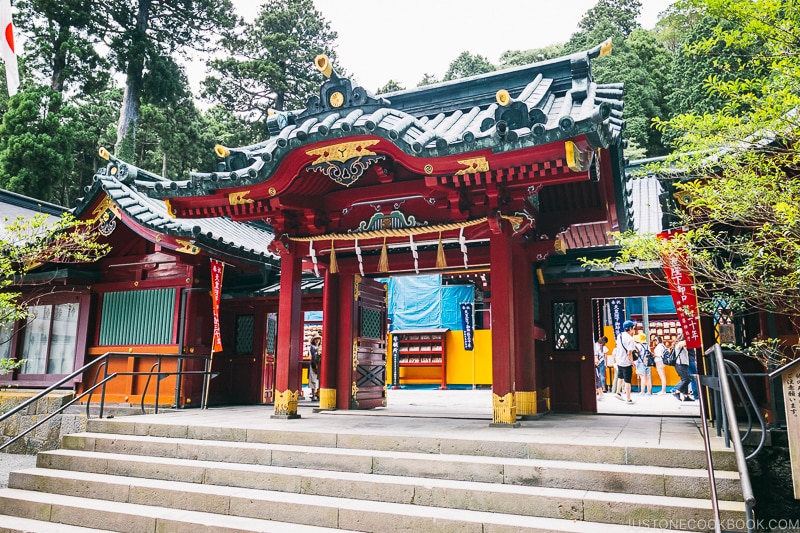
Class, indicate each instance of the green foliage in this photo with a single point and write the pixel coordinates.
(29, 242)
(514, 58)
(741, 214)
(9, 365)
(270, 63)
(391, 86)
(427, 79)
(621, 14)
(466, 65)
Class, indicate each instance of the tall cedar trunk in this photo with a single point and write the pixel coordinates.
(60, 60)
(131, 100)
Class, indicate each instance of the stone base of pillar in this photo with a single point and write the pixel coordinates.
(327, 400)
(504, 411)
(286, 404)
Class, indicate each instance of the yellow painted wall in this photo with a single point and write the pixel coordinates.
(458, 362)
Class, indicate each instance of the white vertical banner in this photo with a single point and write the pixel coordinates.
(7, 50)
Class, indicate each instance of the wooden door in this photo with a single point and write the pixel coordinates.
(244, 357)
(570, 368)
(369, 345)
(269, 358)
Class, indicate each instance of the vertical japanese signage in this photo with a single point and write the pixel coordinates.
(467, 326)
(616, 309)
(681, 287)
(790, 376)
(395, 361)
(216, 292)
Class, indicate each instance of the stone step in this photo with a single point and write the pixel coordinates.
(120, 451)
(505, 445)
(221, 490)
(15, 524)
(268, 507)
(132, 518)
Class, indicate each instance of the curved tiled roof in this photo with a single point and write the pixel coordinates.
(245, 240)
(545, 102)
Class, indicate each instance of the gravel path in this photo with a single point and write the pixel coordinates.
(10, 462)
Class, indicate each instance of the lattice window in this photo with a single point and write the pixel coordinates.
(272, 330)
(565, 322)
(729, 328)
(371, 323)
(244, 334)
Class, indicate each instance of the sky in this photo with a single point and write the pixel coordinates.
(402, 40)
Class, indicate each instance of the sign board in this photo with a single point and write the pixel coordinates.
(467, 326)
(790, 376)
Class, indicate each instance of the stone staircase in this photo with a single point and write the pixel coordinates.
(122, 476)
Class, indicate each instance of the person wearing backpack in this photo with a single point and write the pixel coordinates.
(658, 355)
(624, 357)
(681, 392)
(642, 368)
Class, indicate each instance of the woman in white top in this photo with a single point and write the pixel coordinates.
(658, 356)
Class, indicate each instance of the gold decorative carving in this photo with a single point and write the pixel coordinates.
(187, 247)
(605, 47)
(577, 159)
(428, 169)
(526, 402)
(354, 392)
(286, 402)
(238, 198)
(170, 211)
(504, 409)
(475, 164)
(342, 152)
(159, 237)
(272, 191)
(356, 287)
(327, 398)
(355, 354)
(106, 204)
(336, 99)
(547, 397)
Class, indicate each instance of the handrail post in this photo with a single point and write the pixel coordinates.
(158, 384)
(103, 388)
(741, 462)
(712, 482)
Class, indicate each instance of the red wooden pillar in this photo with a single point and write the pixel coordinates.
(290, 330)
(525, 386)
(330, 341)
(345, 308)
(504, 408)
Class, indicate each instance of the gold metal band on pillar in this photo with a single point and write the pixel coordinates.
(526, 402)
(286, 402)
(504, 410)
(327, 398)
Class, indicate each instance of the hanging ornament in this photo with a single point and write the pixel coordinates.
(463, 242)
(313, 255)
(414, 253)
(383, 263)
(334, 268)
(441, 260)
(360, 261)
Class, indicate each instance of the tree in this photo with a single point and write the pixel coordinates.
(741, 211)
(427, 79)
(62, 43)
(270, 63)
(143, 34)
(514, 58)
(391, 86)
(622, 13)
(466, 65)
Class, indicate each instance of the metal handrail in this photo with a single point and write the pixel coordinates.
(729, 418)
(102, 364)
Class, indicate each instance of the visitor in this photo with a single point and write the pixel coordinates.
(681, 392)
(624, 357)
(658, 356)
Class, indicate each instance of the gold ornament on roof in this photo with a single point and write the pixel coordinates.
(475, 164)
(336, 99)
(238, 198)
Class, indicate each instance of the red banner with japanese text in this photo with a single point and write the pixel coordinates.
(217, 269)
(681, 286)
